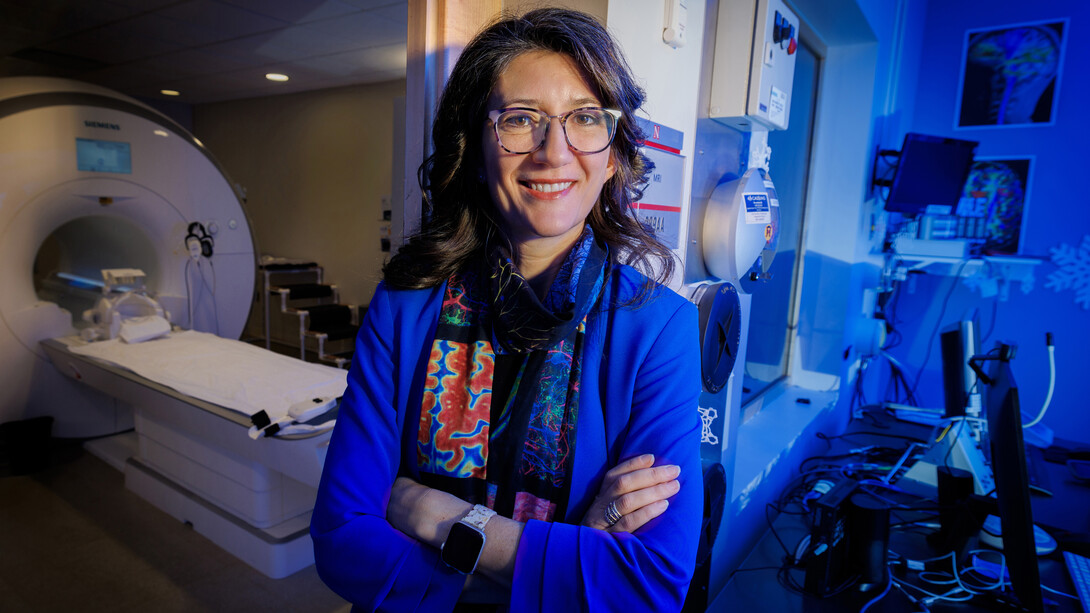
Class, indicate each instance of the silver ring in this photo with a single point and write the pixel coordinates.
(612, 514)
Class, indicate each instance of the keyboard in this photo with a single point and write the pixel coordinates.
(1079, 568)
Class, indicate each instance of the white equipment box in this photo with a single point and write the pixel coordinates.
(754, 64)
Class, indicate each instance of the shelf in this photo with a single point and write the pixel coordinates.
(992, 275)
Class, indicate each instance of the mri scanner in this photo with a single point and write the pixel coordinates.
(91, 181)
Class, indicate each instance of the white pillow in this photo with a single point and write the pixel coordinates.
(140, 329)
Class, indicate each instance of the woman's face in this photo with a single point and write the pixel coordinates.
(543, 197)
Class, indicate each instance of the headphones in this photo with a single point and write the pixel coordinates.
(198, 241)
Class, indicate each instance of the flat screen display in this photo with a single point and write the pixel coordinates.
(1012, 484)
(930, 174)
(103, 156)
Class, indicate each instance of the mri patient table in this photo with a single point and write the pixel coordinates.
(198, 461)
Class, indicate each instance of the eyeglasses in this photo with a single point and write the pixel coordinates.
(522, 130)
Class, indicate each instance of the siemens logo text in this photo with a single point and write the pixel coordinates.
(101, 124)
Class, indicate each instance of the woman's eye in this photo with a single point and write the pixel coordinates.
(585, 119)
(518, 121)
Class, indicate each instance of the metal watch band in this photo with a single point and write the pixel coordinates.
(478, 516)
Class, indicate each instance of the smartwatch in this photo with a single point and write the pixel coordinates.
(465, 541)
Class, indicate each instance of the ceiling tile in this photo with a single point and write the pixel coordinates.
(295, 11)
(375, 4)
(190, 62)
(359, 30)
(120, 41)
(33, 23)
(206, 21)
(14, 38)
(235, 50)
(182, 33)
(133, 6)
(287, 44)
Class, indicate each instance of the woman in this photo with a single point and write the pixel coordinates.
(511, 363)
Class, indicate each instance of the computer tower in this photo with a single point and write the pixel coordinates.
(828, 558)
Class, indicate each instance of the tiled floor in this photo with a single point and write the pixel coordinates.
(72, 538)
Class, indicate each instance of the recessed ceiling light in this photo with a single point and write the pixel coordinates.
(276, 76)
(162, 133)
(170, 92)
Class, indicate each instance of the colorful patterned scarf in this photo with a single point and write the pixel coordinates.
(515, 454)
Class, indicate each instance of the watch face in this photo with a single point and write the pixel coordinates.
(462, 548)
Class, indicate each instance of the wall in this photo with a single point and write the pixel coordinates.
(671, 78)
(315, 167)
(1057, 213)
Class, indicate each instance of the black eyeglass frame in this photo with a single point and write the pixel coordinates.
(493, 116)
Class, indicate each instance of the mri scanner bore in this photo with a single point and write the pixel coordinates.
(92, 180)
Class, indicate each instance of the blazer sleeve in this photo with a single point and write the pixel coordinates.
(358, 554)
(565, 567)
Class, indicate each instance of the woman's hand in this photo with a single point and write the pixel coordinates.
(639, 491)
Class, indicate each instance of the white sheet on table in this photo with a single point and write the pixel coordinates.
(230, 373)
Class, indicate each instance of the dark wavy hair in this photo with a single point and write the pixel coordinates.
(459, 215)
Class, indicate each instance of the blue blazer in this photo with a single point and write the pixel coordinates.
(640, 382)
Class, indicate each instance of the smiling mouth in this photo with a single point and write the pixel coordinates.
(548, 188)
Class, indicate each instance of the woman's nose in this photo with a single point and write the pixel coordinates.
(554, 151)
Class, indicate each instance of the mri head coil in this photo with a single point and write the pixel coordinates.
(125, 310)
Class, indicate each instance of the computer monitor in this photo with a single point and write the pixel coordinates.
(930, 175)
(959, 342)
(1011, 481)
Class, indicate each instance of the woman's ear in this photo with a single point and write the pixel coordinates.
(611, 166)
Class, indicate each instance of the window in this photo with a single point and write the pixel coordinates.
(773, 313)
